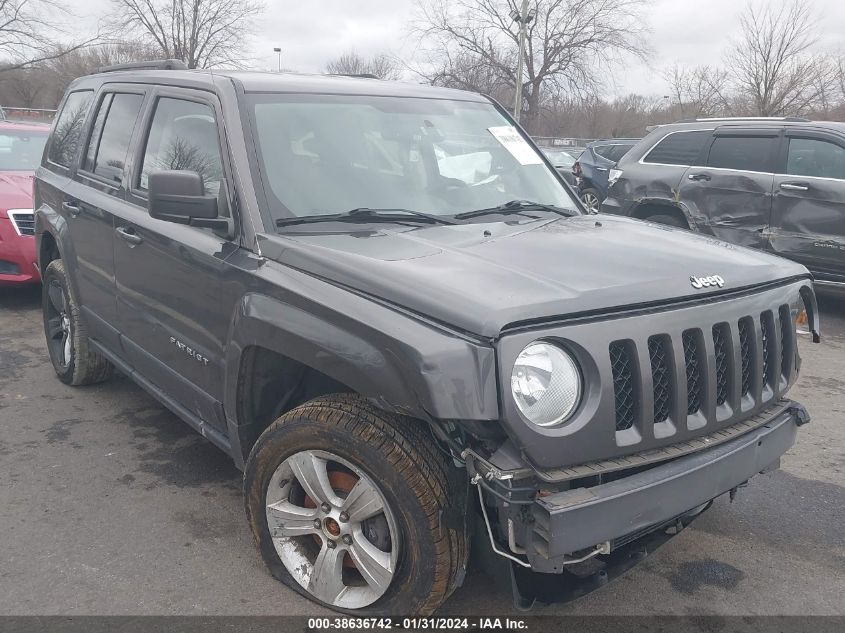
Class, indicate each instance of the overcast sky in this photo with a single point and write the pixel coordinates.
(690, 32)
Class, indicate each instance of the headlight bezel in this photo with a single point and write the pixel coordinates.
(570, 363)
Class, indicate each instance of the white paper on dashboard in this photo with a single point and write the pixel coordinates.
(512, 141)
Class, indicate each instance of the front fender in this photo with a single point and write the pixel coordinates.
(397, 361)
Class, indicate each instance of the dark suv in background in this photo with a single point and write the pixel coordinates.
(593, 166)
(773, 184)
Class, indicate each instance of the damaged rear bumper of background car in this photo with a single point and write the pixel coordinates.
(616, 524)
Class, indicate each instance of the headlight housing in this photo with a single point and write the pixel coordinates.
(546, 384)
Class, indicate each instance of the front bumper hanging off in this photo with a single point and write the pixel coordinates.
(637, 513)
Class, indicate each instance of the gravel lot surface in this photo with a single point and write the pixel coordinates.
(111, 505)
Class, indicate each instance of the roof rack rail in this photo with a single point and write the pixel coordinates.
(153, 64)
(356, 75)
(789, 119)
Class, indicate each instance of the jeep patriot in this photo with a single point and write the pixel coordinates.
(382, 301)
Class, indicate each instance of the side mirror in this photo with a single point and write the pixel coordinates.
(179, 196)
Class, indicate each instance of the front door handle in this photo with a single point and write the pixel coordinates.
(795, 186)
(601, 168)
(129, 234)
(699, 177)
(73, 209)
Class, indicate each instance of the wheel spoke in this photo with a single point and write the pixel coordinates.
(57, 297)
(326, 582)
(312, 475)
(55, 327)
(362, 502)
(373, 564)
(66, 351)
(287, 519)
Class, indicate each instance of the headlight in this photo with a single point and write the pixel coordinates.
(546, 384)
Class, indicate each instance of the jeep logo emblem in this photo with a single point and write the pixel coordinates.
(706, 282)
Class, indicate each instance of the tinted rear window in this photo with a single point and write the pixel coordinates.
(679, 148)
(109, 158)
(69, 126)
(745, 153)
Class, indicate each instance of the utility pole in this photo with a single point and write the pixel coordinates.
(523, 18)
(278, 51)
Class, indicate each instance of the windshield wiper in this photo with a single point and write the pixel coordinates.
(511, 207)
(365, 214)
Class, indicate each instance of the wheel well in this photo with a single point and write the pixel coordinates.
(48, 252)
(649, 209)
(272, 384)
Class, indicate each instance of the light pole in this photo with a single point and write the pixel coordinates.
(524, 18)
(278, 51)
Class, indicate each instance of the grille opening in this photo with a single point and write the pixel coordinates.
(659, 351)
(695, 379)
(786, 342)
(24, 222)
(722, 349)
(623, 362)
(746, 331)
(767, 328)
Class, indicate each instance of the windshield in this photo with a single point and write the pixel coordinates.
(21, 150)
(328, 154)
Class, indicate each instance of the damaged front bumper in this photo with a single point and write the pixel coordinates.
(617, 523)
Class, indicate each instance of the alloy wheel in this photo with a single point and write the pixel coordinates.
(332, 529)
(59, 335)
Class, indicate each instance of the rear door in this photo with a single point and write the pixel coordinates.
(729, 189)
(176, 293)
(808, 211)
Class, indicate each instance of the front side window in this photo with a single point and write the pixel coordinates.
(679, 148)
(815, 157)
(326, 154)
(113, 144)
(744, 153)
(21, 150)
(68, 127)
(183, 136)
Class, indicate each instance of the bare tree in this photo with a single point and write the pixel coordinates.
(29, 30)
(772, 65)
(698, 91)
(201, 33)
(571, 44)
(351, 63)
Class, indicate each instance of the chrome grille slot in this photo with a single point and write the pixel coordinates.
(23, 221)
(746, 332)
(787, 334)
(767, 328)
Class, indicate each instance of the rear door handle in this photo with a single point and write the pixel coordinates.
(795, 186)
(699, 177)
(129, 234)
(72, 208)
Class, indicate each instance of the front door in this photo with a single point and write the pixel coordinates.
(176, 292)
(729, 190)
(808, 213)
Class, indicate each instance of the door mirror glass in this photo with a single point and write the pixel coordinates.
(179, 196)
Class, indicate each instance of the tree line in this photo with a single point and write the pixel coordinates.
(573, 50)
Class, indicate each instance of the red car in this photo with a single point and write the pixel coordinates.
(21, 147)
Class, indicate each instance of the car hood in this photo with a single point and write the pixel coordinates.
(482, 277)
(15, 190)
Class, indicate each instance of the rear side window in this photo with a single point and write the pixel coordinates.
(679, 148)
(815, 157)
(183, 135)
(69, 126)
(109, 140)
(745, 153)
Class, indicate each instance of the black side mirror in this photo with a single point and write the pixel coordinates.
(179, 196)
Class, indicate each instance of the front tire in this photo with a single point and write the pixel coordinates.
(345, 503)
(75, 361)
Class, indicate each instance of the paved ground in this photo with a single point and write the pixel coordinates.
(110, 505)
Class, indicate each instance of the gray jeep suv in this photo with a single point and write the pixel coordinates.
(772, 184)
(383, 302)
